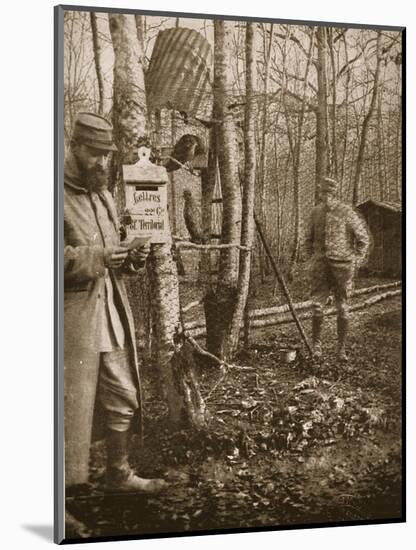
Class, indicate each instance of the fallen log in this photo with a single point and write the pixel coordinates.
(265, 312)
(375, 288)
(197, 330)
(258, 323)
(254, 314)
(261, 312)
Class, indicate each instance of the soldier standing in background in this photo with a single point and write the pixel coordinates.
(338, 241)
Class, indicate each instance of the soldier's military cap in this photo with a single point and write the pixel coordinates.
(93, 130)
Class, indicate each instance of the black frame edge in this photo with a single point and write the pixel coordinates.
(59, 504)
(189, 15)
(59, 493)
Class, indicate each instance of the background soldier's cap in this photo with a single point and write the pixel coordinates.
(329, 185)
(94, 130)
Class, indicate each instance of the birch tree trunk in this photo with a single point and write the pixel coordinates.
(247, 222)
(220, 304)
(366, 122)
(97, 60)
(227, 153)
(321, 163)
(208, 179)
(264, 119)
(130, 122)
(261, 200)
(380, 150)
(398, 147)
(174, 357)
(140, 32)
(346, 118)
(295, 147)
(334, 153)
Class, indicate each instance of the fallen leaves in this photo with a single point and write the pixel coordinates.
(283, 447)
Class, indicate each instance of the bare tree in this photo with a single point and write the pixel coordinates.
(97, 60)
(79, 60)
(366, 122)
(334, 152)
(141, 30)
(321, 165)
(224, 297)
(264, 129)
(247, 222)
(295, 144)
(264, 117)
(173, 355)
(346, 119)
(208, 181)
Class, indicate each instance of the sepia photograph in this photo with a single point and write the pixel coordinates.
(229, 238)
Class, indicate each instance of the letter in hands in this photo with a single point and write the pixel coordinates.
(139, 250)
(115, 256)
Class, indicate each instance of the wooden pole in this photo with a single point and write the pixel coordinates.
(281, 280)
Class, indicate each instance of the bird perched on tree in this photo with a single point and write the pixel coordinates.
(185, 150)
(192, 217)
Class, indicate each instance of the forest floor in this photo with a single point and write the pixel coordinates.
(288, 444)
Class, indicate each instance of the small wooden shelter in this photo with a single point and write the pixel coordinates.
(384, 220)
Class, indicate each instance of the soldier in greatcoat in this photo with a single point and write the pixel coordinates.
(100, 357)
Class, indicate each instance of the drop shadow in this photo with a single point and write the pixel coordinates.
(43, 531)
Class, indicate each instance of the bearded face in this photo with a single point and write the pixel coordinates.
(92, 165)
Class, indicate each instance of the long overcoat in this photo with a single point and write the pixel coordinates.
(86, 233)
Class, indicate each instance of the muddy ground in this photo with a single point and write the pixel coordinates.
(287, 444)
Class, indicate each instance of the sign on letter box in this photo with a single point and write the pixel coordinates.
(146, 199)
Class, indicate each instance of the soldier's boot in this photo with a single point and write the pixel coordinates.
(317, 322)
(342, 326)
(120, 477)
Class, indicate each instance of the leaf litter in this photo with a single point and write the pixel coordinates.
(286, 445)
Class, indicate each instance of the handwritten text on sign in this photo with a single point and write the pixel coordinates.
(146, 199)
(147, 206)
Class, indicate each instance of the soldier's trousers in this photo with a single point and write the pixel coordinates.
(331, 277)
(117, 389)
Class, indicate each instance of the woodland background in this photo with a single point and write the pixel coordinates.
(29, 519)
(360, 113)
(289, 104)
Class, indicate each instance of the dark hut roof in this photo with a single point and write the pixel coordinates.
(391, 206)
